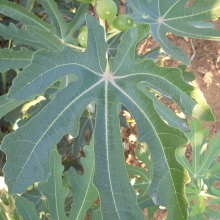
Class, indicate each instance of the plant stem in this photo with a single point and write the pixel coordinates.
(9, 44)
(102, 23)
(74, 46)
(112, 30)
(112, 34)
(209, 195)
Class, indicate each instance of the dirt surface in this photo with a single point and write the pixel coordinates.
(206, 67)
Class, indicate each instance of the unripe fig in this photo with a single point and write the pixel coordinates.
(82, 37)
(123, 22)
(106, 9)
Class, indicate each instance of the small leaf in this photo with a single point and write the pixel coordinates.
(35, 196)
(26, 209)
(97, 215)
(201, 159)
(140, 179)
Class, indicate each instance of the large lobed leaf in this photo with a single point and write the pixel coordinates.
(174, 16)
(27, 164)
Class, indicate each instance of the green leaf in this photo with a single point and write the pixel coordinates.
(52, 36)
(199, 207)
(28, 4)
(48, 39)
(87, 124)
(29, 110)
(8, 105)
(173, 16)
(107, 88)
(74, 146)
(64, 30)
(19, 13)
(196, 198)
(20, 36)
(26, 209)
(7, 206)
(166, 113)
(3, 215)
(76, 23)
(55, 195)
(152, 54)
(202, 157)
(140, 179)
(151, 210)
(187, 76)
(10, 59)
(97, 215)
(84, 193)
(35, 196)
(22, 111)
(113, 44)
(58, 23)
(2, 155)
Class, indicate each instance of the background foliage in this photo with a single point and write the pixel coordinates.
(65, 96)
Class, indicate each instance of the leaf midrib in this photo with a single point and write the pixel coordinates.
(107, 146)
(183, 17)
(191, 33)
(58, 66)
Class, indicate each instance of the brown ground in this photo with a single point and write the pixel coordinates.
(206, 67)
